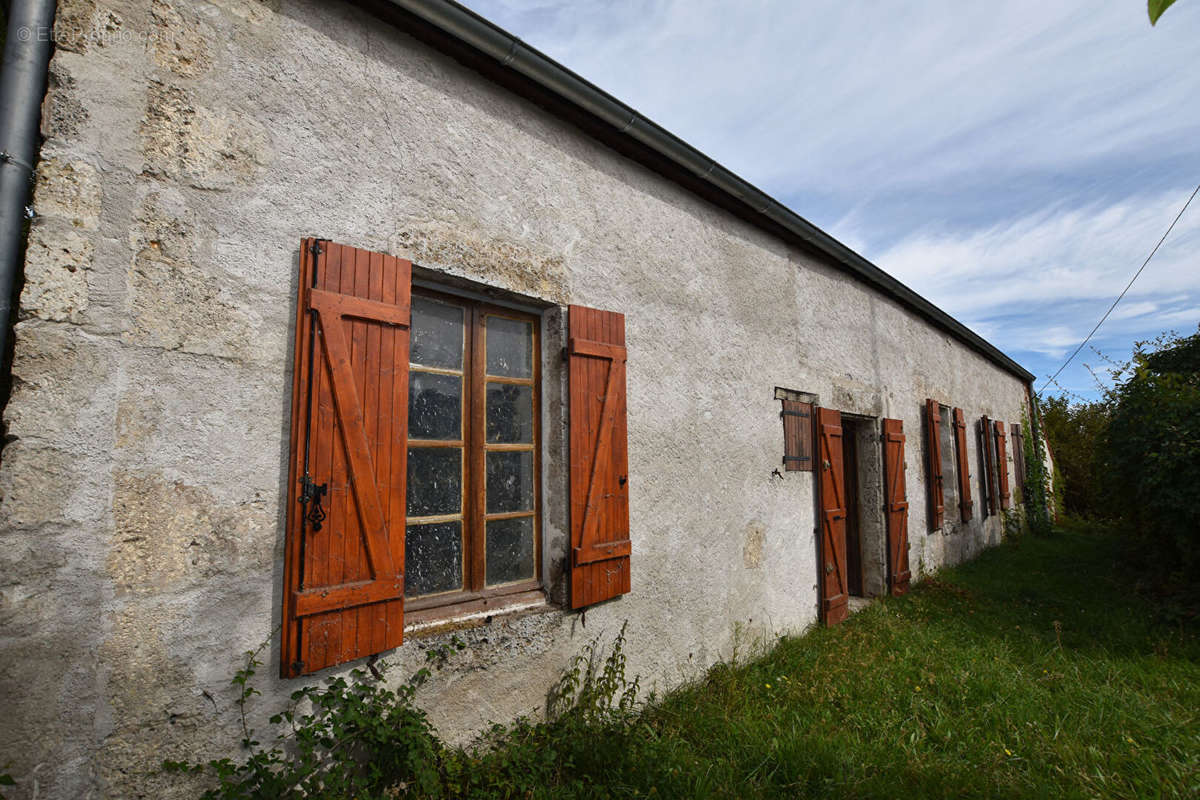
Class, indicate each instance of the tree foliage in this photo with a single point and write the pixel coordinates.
(1152, 454)
(1076, 432)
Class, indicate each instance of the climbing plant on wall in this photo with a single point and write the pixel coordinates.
(1037, 487)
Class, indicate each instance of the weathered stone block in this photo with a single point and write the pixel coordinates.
(56, 264)
(62, 113)
(70, 190)
(175, 307)
(169, 534)
(63, 392)
(44, 485)
(204, 147)
(180, 39)
(493, 260)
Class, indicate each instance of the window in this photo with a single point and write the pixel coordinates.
(797, 429)
(473, 521)
(413, 477)
(1000, 454)
(949, 462)
(987, 463)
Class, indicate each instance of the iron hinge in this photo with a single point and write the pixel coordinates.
(313, 492)
(789, 413)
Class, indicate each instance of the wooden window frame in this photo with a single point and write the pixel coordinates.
(476, 595)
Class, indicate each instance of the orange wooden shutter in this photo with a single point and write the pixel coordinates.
(600, 544)
(344, 572)
(937, 497)
(965, 503)
(834, 595)
(1002, 464)
(897, 505)
(988, 456)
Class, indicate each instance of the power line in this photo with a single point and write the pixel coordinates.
(1123, 291)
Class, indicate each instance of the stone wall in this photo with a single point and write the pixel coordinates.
(189, 146)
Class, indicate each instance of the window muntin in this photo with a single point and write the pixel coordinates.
(473, 525)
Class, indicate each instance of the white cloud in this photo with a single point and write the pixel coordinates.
(1014, 162)
(1054, 256)
(830, 97)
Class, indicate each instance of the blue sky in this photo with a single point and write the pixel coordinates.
(1014, 162)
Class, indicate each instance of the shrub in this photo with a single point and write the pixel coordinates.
(1152, 454)
(355, 738)
(1075, 431)
(348, 738)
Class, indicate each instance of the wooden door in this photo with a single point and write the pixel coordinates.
(897, 505)
(832, 504)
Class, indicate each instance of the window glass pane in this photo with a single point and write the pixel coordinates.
(509, 347)
(509, 550)
(946, 450)
(437, 334)
(509, 481)
(433, 557)
(434, 481)
(509, 413)
(434, 406)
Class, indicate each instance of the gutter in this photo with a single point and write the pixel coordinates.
(22, 87)
(510, 54)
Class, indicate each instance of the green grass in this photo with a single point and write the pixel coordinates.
(1033, 671)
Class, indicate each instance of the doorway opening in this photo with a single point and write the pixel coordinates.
(866, 535)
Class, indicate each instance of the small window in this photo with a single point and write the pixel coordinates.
(796, 414)
(473, 527)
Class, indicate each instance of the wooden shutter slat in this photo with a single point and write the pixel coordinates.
(1002, 464)
(344, 583)
(937, 497)
(833, 580)
(897, 505)
(600, 539)
(965, 503)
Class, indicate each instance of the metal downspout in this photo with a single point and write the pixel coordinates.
(22, 87)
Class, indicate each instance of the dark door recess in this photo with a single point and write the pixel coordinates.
(854, 562)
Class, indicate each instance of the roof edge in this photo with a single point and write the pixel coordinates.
(510, 53)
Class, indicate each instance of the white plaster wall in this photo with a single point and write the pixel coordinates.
(143, 494)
